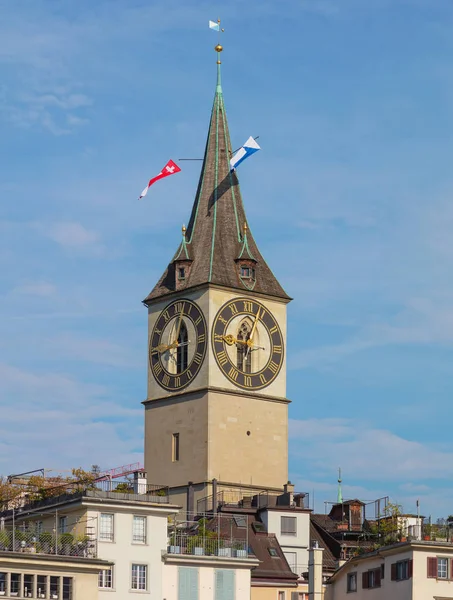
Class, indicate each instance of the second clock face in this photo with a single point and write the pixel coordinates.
(177, 345)
(247, 343)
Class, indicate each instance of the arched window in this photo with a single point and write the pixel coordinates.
(182, 349)
(244, 356)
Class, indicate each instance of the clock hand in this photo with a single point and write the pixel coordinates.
(179, 325)
(250, 340)
(230, 340)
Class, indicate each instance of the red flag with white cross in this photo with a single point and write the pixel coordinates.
(170, 169)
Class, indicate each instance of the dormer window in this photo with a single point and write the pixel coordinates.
(181, 272)
(247, 272)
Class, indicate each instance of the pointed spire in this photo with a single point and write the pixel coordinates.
(214, 239)
(340, 492)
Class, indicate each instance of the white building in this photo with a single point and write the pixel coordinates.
(414, 570)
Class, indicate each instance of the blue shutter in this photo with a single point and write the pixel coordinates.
(224, 584)
(187, 583)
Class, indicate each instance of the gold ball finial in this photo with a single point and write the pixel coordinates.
(218, 48)
(183, 229)
(245, 228)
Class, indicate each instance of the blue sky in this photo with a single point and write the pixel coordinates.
(350, 202)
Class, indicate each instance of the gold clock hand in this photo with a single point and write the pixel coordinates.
(160, 348)
(179, 325)
(250, 340)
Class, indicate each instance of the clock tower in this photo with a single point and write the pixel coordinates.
(216, 407)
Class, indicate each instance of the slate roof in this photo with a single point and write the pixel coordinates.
(215, 234)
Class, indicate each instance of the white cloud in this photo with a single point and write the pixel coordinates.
(72, 235)
(37, 288)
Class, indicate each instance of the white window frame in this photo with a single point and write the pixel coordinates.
(107, 534)
(139, 534)
(351, 577)
(444, 561)
(105, 578)
(139, 569)
(63, 524)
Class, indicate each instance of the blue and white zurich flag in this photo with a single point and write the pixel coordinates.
(249, 148)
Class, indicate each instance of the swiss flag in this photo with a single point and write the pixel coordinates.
(170, 169)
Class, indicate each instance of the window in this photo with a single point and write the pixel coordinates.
(29, 586)
(175, 447)
(67, 588)
(224, 584)
(371, 579)
(273, 552)
(244, 356)
(63, 524)
(15, 584)
(402, 570)
(187, 583)
(288, 525)
(181, 273)
(351, 582)
(42, 586)
(39, 527)
(139, 530)
(281, 595)
(54, 587)
(106, 527)
(245, 271)
(442, 568)
(2, 584)
(139, 577)
(438, 567)
(106, 578)
(182, 349)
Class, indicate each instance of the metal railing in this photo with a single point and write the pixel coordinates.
(37, 541)
(252, 498)
(209, 535)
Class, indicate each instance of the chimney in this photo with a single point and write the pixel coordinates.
(140, 482)
(315, 572)
(288, 490)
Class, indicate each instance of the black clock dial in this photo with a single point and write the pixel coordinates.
(177, 345)
(247, 343)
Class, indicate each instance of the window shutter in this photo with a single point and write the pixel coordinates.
(294, 595)
(410, 568)
(224, 584)
(432, 567)
(393, 572)
(188, 583)
(365, 580)
(382, 570)
(451, 569)
(377, 577)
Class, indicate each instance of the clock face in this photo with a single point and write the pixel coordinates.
(247, 343)
(177, 345)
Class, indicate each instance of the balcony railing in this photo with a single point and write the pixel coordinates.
(205, 546)
(36, 541)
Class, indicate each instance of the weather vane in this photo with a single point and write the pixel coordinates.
(215, 25)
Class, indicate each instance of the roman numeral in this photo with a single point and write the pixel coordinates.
(158, 331)
(198, 321)
(166, 379)
(189, 308)
(157, 368)
(189, 374)
(248, 306)
(197, 358)
(233, 374)
(218, 337)
(222, 357)
(201, 338)
(223, 320)
(177, 382)
(179, 306)
(273, 330)
(273, 367)
(233, 308)
(263, 379)
(247, 381)
(277, 349)
(166, 316)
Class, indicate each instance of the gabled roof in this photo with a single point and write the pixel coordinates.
(216, 235)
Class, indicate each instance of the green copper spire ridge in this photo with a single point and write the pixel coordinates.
(218, 88)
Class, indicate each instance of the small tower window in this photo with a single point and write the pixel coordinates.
(182, 349)
(244, 356)
(247, 272)
(181, 272)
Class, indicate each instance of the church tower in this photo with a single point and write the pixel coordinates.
(216, 407)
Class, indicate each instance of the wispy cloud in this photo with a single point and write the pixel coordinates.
(73, 236)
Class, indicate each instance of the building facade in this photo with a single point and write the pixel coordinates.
(415, 570)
